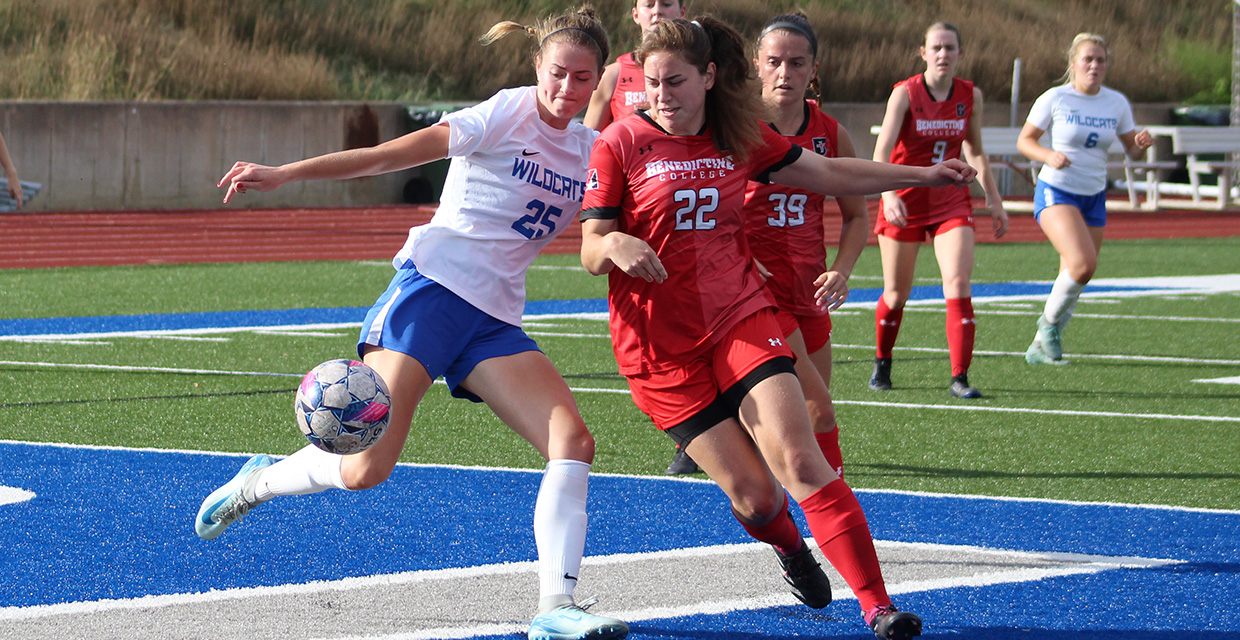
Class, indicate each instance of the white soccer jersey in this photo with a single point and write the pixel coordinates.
(1083, 128)
(514, 184)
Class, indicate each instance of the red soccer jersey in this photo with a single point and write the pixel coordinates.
(683, 198)
(784, 225)
(932, 132)
(630, 92)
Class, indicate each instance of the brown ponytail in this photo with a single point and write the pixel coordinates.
(580, 27)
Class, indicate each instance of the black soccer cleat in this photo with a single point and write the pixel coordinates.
(960, 388)
(681, 464)
(881, 380)
(803, 573)
(891, 624)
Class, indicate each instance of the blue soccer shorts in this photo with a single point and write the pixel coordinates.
(421, 318)
(1093, 208)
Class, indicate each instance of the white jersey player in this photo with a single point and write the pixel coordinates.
(1069, 201)
(454, 307)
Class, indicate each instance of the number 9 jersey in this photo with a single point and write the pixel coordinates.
(514, 184)
(931, 133)
(682, 197)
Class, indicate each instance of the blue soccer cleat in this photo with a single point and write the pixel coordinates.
(1049, 337)
(230, 502)
(572, 622)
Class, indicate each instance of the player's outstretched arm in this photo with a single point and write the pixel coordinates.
(855, 177)
(409, 150)
(10, 172)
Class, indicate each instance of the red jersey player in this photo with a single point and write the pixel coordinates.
(932, 117)
(692, 325)
(622, 89)
(785, 225)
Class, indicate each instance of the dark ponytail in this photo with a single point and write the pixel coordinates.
(732, 106)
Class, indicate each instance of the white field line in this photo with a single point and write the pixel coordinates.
(902, 405)
(1082, 563)
(1103, 316)
(1231, 380)
(1057, 412)
(1074, 356)
(118, 367)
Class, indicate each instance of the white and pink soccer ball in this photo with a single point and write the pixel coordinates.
(342, 406)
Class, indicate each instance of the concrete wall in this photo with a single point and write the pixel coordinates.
(169, 155)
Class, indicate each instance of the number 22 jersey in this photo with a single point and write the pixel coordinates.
(682, 197)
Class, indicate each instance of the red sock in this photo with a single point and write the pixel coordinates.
(781, 532)
(840, 528)
(886, 327)
(960, 332)
(830, 444)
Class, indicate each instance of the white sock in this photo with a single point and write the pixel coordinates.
(1062, 301)
(560, 528)
(310, 470)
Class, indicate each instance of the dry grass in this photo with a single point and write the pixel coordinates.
(418, 49)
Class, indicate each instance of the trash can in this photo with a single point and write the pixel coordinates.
(426, 187)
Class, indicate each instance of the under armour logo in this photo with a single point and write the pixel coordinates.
(775, 342)
(967, 321)
(643, 150)
(888, 323)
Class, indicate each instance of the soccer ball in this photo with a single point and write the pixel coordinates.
(342, 406)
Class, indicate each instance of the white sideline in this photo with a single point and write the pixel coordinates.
(1083, 563)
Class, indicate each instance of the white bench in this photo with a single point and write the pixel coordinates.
(1195, 141)
(1001, 141)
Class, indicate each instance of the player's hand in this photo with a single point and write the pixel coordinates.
(950, 172)
(15, 191)
(1058, 160)
(1144, 140)
(999, 217)
(832, 290)
(634, 257)
(247, 176)
(894, 210)
(762, 272)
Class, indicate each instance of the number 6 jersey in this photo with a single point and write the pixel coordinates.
(682, 197)
(514, 184)
(931, 133)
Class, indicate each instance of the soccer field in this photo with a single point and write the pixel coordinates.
(1101, 497)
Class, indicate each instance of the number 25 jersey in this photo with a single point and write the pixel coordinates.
(683, 198)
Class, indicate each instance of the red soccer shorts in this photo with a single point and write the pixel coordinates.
(675, 395)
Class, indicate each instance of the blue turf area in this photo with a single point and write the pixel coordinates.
(117, 524)
(85, 325)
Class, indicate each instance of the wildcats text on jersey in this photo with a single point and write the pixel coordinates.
(534, 173)
(1090, 121)
(690, 169)
(940, 127)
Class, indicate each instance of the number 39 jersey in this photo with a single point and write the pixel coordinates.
(683, 198)
(514, 184)
(784, 224)
(931, 133)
